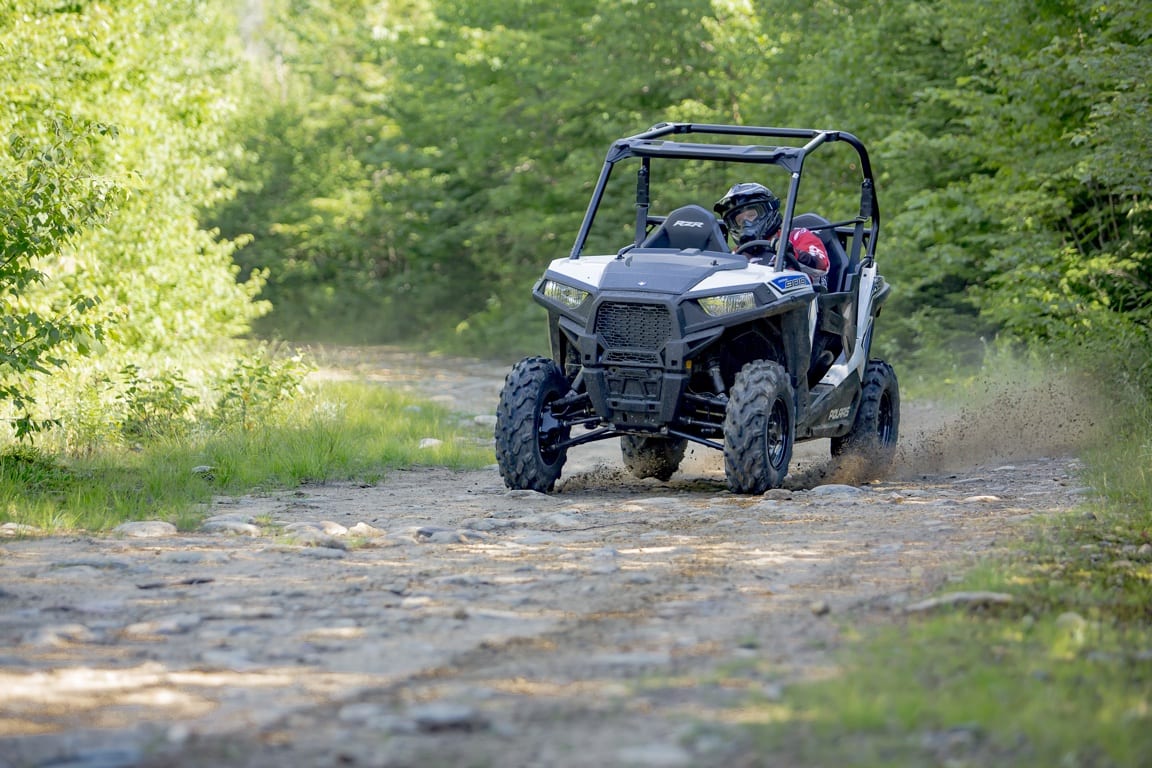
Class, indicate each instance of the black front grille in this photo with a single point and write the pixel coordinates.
(631, 357)
(635, 326)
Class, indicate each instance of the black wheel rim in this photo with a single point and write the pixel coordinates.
(777, 433)
(884, 419)
(549, 431)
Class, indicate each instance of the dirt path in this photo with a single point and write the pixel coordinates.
(439, 619)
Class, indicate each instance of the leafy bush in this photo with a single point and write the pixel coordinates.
(153, 407)
(258, 388)
(49, 194)
(113, 119)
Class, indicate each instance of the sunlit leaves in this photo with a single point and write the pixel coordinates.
(49, 193)
(113, 121)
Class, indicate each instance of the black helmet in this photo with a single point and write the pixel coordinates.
(750, 196)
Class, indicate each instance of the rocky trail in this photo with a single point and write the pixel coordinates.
(438, 619)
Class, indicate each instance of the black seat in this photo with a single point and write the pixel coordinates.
(690, 227)
(838, 267)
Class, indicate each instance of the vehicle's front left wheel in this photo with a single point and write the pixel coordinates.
(529, 438)
(871, 443)
(759, 428)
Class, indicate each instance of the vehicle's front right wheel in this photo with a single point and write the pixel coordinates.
(759, 428)
(529, 438)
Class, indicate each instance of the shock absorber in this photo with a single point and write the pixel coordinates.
(717, 379)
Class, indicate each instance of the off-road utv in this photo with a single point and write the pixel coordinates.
(675, 338)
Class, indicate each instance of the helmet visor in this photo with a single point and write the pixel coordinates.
(748, 217)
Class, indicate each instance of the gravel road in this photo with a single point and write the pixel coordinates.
(438, 619)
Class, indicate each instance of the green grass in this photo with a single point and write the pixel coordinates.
(1063, 677)
(341, 431)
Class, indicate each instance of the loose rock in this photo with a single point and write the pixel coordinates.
(835, 490)
(961, 598)
(146, 529)
(366, 531)
(61, 634)
(18, 529)
(169, 625)
(230, 527)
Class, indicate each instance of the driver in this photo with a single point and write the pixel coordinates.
(752, 212)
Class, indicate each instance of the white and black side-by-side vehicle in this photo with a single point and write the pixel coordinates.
(676, 338)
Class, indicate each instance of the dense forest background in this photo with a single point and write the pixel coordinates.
(414, 165)
(179, 176)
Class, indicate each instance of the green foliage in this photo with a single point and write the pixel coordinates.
(450, 149)
(308, 176)
(467, 147)
(28, 467)
(134, 406)
(48, 195)
(153, 407)
(113, 119)
(337, 432)
(1047, 237)
(408, 167)
(347, 431)
(258, 388)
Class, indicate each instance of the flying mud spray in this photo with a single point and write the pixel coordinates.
(1004, 418)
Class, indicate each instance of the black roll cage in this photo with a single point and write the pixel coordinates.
(650, 144)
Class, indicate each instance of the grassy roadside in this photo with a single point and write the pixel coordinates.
(1061, 677)
(339, 431)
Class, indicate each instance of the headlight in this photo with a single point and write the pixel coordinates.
(717, 306)
(565, 294)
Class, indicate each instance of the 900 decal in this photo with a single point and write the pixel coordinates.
(791, 282)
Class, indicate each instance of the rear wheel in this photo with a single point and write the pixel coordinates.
(657, 457)
(872, 439)
(527, 434)
(759, 428)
